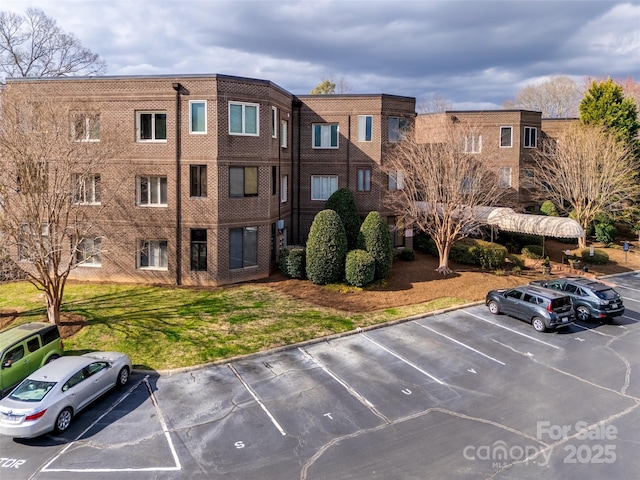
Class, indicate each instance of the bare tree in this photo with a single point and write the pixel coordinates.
(557, 97)
(433, 104)
(51, 198)
(439, 186)
(586, 173)
(34, 46)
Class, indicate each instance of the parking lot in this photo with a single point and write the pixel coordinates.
(461, 394)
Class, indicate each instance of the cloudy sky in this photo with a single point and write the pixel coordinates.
(475, 53)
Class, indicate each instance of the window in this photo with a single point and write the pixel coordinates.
(325, 135)
(198, 249)
(364, 179)
(88, 252)
(506, 137)
(197, 116)
(322, 186)
(397, 128)
(530, 134)
(274, 179)
(284, 188)
(274, 122)
(473, 143)
(504, 177)
(396, 181)
(32, 244)
(86, 127)
(151, 126)
(243, 247)
(198, 180)
(153, 255)
(284, 129)
(86, 189)
(243, 118)
(243, 181)
(364, 128)
(152, 191)
(528, 177)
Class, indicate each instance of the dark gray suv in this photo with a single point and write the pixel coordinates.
(541, 307)
(591, 299)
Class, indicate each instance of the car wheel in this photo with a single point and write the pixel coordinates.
(583, 313)
(52, 358)
(493, 307)
(538, 324)
(64, 420)
(123, 377)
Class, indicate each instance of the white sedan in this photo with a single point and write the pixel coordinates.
(50, 397)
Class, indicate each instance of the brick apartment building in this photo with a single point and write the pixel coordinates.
(218, 171)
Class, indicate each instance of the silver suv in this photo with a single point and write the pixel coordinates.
(544, 309)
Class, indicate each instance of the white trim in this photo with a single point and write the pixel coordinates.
(191, 103)
(244, 118)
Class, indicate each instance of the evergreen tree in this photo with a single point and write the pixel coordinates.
(374, 237)
(344, 204)
(326, 249)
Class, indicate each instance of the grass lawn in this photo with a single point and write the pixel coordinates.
(163, 328)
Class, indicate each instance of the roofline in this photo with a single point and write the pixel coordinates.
(356, 95)
(149, 77)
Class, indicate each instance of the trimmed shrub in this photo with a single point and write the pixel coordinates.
(606, 233)
(344, 204)
(424, 243)
(296, 261)
(548, 208)
(326, 249)
(360, 268)
(532, 251)
(374, 237)
(478, 252)
(516, 260)
(515, 241)
(599, 257)
(284, 253)
(407, 255)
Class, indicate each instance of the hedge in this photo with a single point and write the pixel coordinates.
(326, 248)
(360, 268)
(292, 262)
(599, 257)
(374, 237)
(487, 255)
(532, 251)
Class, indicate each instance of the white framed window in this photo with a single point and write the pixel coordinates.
(473, 143)
(284, 133)
(365, 124)
(243, 119)
(322, 186)
(151, 126)
(325, 135)
(198, 116)
(274, 122)
(504, 177)
(243, 247)
(88, 253)
(86, 189)
(284, 188)
(86, 127)
(396, 180)
(152, 255)
(364, 179)
(530, 137)
(506, 137)
(397, 128)
(152, 191)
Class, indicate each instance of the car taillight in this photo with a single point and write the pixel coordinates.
(549, 308)
(35, 416)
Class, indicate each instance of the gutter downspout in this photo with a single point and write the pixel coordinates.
(297, 104)
(178, 87)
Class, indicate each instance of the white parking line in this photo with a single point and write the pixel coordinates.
(257, 399)
(100, 470)
(347, 387)
(400, 357)
(592, 330)
(460, 343)
(511, 330)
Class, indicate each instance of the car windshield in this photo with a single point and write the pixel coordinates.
(31, 390)
(608, 294)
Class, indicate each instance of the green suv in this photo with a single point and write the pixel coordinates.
(591, 299)
(24, 349)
